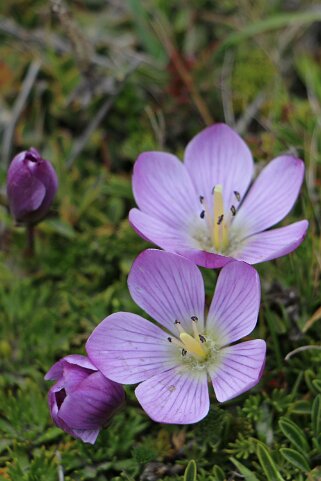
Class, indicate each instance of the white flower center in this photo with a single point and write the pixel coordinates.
(198, 351)
(193, 345)
(218, 224)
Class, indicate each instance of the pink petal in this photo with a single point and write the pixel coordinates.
(168, 287)
(218, 155)
(154, 230)
(235, 306)
(56, 371)
(128, 349)
(175, 396)
(92, 404)
(273, 243)
(272, 195)
(163, 189)
(240, 368)
(86, 436)
(173, 240)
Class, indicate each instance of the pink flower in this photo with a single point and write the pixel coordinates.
(82, 401)
(31, 186)
(174, 360)
(204, 209)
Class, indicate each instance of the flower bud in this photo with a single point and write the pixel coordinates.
(31, 186)
(83, 400)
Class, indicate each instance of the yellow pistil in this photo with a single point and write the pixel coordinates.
(219, 233)
(193, 346)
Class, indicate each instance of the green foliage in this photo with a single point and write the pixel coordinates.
(296, 458)
(267, 463)
(294, 434)
(190, 471)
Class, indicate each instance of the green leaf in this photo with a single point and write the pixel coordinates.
(270, 470)
(219, 474)
(317, 384)
(144, 30)
(269, 24)
(247, 474)
(190, 471)
(316, 415)
(294, 434)
(296, 459)
(301, 407)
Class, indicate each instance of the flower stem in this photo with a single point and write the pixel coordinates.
(30, 230)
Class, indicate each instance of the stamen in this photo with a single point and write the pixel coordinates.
(202, 214)
(202, 338)
(233, 209)
(220, 219)
(192, 346)
(201, 199)
(177, 343)
(219, 233)
(194, 318)
(184, 352)
(237, 195)
(179, 327)
(195, 329)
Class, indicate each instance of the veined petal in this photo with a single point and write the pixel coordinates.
(235, 306)
(173, 240)
(168, 287)
(239, 368)
(272, 195)
(162, 188)
(56, 371)
(218, 155)
(93, 403)
(274, 243)
(128, 349)
(26, 193)
(87, 436)
(158, 232)
(176, 396)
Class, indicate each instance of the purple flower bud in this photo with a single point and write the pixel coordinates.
(31, 186)
(83, 400)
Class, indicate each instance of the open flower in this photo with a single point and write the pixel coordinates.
(31, 186)
(201, 209)
(82, 401)
(173, 361)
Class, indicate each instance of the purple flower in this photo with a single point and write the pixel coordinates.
(31, 186)
(174, 360)
(82, 401)
(203, 210)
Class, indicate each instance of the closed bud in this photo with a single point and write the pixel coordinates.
(83, 400)
(31, 186)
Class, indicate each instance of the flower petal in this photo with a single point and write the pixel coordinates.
(92, 404)
(218, 155)
(175, 396)
(26, 194)
(235, 306)
(154, 230)
(86, 436)
(173, 240)
(273, 243)
(128, 349)
(168, 287)
(272, 195)
(162, 188)
(239, 369)
(56, 371)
